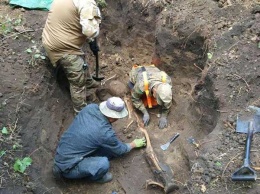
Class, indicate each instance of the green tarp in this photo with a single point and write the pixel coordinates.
(32, 4)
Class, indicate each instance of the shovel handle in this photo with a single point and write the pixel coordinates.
(174, 137)
(248, 144)
(97, 64)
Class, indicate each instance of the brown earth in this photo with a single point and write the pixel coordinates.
(208, 94)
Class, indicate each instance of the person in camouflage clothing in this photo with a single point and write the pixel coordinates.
(148, 82)
(70, 24)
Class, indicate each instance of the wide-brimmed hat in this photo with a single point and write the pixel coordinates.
(113, 107)
(164, 93)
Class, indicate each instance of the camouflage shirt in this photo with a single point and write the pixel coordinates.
(154, 76)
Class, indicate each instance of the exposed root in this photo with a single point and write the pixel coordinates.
(202, 79)
(150, 156)
(129, 124)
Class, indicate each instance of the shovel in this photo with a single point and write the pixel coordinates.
(165, 146)
(97, 78)
(250, 126)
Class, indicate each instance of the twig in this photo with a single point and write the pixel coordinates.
(222, 111)
(229, 125)
(15, 125)
(234, 45)
(129, 124)
(34, 151)
(197, 67)
(185, 185)
(102, 83)
(243, 80)
(15, 34)
(231, 160)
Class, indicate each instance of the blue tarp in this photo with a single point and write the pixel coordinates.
(32, 4)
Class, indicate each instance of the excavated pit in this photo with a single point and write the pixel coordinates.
(181, 51)
(130, 36)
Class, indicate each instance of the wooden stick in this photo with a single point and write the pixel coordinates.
(102, 83)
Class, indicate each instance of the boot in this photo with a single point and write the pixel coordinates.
(106, 178)
(56, 172)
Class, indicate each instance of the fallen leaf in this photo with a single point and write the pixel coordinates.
(4, 131)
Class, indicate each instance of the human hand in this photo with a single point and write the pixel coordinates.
(146, 118)
(94, 46)
(139, 142)
(163, 122)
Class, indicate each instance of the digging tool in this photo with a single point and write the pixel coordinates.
(249, 126)
(165, 146)
(96, 77)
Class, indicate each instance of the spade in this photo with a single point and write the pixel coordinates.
(165, 146)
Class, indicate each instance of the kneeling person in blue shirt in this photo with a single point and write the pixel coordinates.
(90, 141)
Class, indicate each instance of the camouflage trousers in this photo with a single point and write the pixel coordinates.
(79, 79)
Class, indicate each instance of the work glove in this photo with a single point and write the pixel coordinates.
(94, 46)
(146, 118)
(163, 122)
(140, 142)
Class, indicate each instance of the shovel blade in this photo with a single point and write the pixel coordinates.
(256, 123)
(165, 146)
(243, 125)
(98, 78)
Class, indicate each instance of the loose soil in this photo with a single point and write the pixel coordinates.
(209, 48)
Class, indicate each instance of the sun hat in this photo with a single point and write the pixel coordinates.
(113, 107)
(164, 93)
